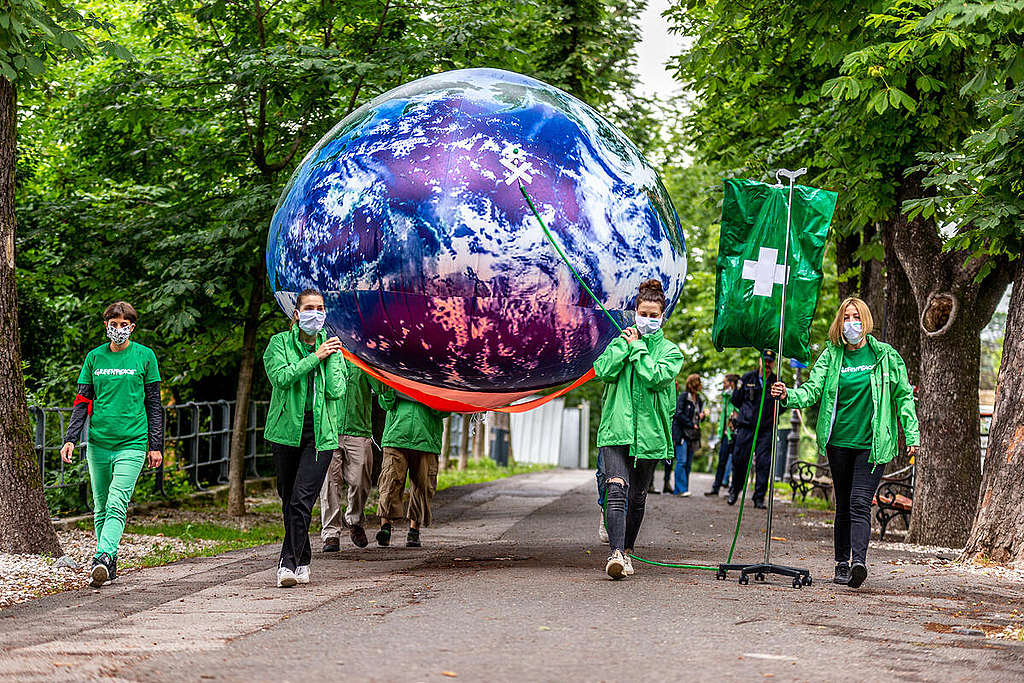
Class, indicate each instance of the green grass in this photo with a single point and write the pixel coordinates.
(485, 470)
(785, 491)
(228, 537)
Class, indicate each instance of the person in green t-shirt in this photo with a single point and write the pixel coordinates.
(119, 393)
(863, 389)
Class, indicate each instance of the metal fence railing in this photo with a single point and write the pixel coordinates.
(197, 440)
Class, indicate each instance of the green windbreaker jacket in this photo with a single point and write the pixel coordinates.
(288, 364)
(639, 395)
(891, 395)
(410, 424)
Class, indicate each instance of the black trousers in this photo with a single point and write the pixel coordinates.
(741, 459)
(625, 504)
(855, 485)
(300, 475)
(724, 453)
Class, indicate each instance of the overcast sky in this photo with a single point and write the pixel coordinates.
(654, 51)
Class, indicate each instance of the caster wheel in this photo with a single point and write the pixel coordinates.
(759, 577)
(720, 575)
(807, 580)
(744, 579)
(797, 583)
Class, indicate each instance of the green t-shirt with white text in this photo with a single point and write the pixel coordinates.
(854, 406)
(118, 420)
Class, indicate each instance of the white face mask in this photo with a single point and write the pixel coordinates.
(119, 335)
(645, 325)
(312, 322)
(852, 331)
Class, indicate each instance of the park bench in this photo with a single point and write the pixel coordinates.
(807, 477)
(894, 499)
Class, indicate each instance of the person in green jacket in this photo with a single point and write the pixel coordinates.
(412, 444)
(638, 369)
(863, 388)
(308, 380)
(352, 463)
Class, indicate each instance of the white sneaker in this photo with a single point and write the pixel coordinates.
(616, 566)
(286, 577)
(602, 533)
(628, 569)
(684, 494)
(302, 574)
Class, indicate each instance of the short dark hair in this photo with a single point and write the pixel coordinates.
(651, 290)
(732, 379)
(311, 291)
(120, 309)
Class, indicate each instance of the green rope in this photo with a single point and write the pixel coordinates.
(551, 238)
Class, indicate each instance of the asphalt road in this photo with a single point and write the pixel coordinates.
(510, 586)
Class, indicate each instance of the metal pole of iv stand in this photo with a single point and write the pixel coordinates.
(801, 577)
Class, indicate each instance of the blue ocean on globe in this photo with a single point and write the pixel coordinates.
(408, 215)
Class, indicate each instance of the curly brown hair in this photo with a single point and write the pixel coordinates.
(652, 290)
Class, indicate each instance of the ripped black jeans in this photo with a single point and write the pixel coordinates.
(624, 504)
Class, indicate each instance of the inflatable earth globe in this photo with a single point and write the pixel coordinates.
(409, 217)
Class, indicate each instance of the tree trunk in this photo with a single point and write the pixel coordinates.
(845, 264)
(872, 275)
(479, 441)
(25, 526)
(464, 442)
(243, 394)
(896, 323)
(998, 531)
(954, 308)
(899, 318)
(446, 442)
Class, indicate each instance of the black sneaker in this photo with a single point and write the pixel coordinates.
(100, 570)
(331, 545)
(731, 500)
(759, 504)
(413, 539)
(113, 569)
(842, 573)
(712, 492)
(358, 535)
(858, 572)
(384, 535)
(654, 491)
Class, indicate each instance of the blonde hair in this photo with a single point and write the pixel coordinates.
(835, 330)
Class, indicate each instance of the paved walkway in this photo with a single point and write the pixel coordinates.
(510, 587)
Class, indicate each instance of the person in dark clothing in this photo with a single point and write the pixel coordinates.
(686, 432)
(726, 434)
(746, 398)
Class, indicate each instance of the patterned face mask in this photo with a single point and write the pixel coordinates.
(312, 322)
(119, 335)
(852, 330)
(645, 325)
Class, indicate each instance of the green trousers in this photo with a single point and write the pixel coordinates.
(113, 475)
